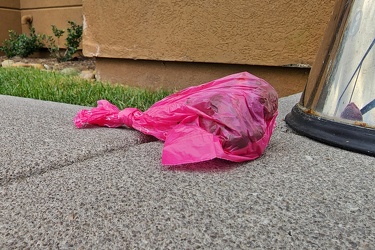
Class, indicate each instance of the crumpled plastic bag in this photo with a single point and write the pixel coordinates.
(231, 118)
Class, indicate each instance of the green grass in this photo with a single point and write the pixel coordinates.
(53, 86)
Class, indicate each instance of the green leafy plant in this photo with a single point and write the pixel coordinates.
(21, 44)
(73, 39)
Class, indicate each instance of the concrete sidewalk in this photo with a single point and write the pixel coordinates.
(100, 188)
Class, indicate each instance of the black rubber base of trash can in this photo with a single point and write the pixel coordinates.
(349, 137)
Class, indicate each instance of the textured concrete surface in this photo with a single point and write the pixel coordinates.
(299, 195)
(38, 136)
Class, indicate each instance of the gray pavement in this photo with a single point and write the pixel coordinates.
(100, 188)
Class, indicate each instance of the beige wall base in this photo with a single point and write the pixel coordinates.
(179, 75)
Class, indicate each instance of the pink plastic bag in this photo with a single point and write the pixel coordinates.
(230, 118)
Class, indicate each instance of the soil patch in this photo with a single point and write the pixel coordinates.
(79, 63)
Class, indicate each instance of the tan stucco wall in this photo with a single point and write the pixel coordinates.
(44, 18)
(175, 44)
(44, 13)
(11, 4)
(36, 4)
(257, 32)
(10, 20)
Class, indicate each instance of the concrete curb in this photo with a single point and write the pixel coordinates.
(299, 195)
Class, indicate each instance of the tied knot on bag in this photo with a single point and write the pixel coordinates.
(81, 119)
(106, 114)
(127, 115)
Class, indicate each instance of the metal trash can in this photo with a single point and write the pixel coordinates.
(337, 106)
